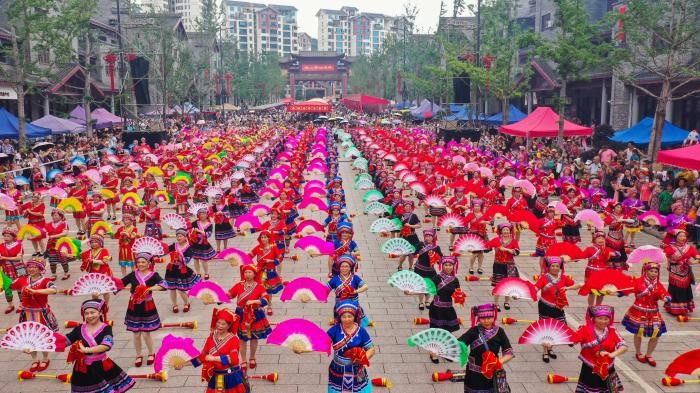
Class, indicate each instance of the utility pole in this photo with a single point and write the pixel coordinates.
(122, 66)
(478, 54)
(221, 72)
(403, 77)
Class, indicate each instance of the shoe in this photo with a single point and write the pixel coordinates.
(253, 363)
(545, 357)
(435, 360)
(421, 306)
(34, 367)
(269, 312)
(641, 358)
(139, 361)
(65, 276)
(552, 354)
(150, 359)
(176, 309)
(480, 271)
(651, 361)
(206, 277)
(43, 365)
(10, 309)
(506, 305)
(186, 307)
(244, 367)
(471, 271)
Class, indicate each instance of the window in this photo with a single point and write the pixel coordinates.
(547, 22)
(43, 57)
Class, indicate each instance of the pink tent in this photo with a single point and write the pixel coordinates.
(543, 122)
(104, 116)
(684, 157)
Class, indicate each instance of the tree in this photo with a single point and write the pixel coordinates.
(211, 19)
(443, 9)
(661, 39)
(500, 71)
(458, 6)
(576, 49)
(40, 29)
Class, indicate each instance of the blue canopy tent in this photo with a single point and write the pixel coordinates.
(9, 127)
(640, 133)
(514, 115)
(456, 108)
(463, 115)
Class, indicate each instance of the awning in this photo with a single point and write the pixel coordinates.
(543, 122)
(315, 105)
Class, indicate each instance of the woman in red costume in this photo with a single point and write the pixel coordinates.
(11, 261)
(56, 229)
(35, 216)
(111, 183)
(268, 257)
(680, 274)
(598, 256)
(615, 221)
(600, 345)
(126, 235)
(477, 226)
(219, 356)
(251, 298)
(13, 216)
(95, 209)
(507, 248)
(546, 236)
(643, 319)
(573, 201)
(79, 192)
(96, 259)
(517, 202)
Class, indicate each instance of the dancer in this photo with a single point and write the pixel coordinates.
(34, 291)
(222, 220)
(96, 260)
(429, 254)
(553, 286)
(574, 202)
(600, 345)
(35, 216)
(219, 355)
(331, 222)
(485, 340)
(344, 245)
(517, 202)
(643, 318)
(179, 278)
(598, 255)
(93, 371)
(141, 314)
(126, 235)
(546, 236)
(458, 205)
(615, 221)
(151, 215)
(347, 285)
(94, 209)
(343, 374)
(268, 257)
(56, 229)
(477, 226)
(251, 298)
(410, 222)
(111, 182)
(202, 252)
(441, 311)
(507, 248)
(79, 191)
(681, 255)
(12, 217)
(632, 207)
(11, 253)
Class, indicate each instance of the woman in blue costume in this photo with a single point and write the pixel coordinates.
(347, 285)
(344, 374)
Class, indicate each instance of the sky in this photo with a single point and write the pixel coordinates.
(426, 21)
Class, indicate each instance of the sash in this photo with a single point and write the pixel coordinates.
(344, 287)
(340, 344)
(426, 248)
(445, 279)
(650, 286)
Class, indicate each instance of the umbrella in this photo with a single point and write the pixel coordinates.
(42, 145)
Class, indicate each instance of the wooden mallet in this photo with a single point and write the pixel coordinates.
(510, 321)
(187, 325)
(554, 378)
(24, 375)
(685, 318)
(671, 381)
(272, 377)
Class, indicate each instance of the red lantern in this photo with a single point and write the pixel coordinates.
(228, 76)
(111, 58)
(620, 36)
(488, 61)
(217, 83)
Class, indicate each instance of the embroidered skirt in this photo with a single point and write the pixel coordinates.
(443, 315)
(648, 323)
(345, 377)
(591, 383)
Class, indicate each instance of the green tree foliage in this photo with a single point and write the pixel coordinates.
(659, 39)
(458, 6)
(578, 47)
(39, 28)
(256, 78)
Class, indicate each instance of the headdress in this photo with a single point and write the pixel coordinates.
(346, 258)
(432, 233)
(503, 226)
(450, 259)
(344, 227)
(97, 304)
(252, 268)
(597, 234)
(181, 231)
(60, 213)
(228, 316)
(335, 206)
(37, 262)
(602, 310)
(345, 306)
(99, 239)
(408, 202)
(488, 310)
(266, 233)
(10, 231)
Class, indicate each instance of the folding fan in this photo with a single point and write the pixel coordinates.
(315, 192)
(507, 181)
(564, 249)
(71, 204)
(313, 204)
(175, 221)
(101, 227)
(435, 201)
(687, 364)
(53, 192)
(357, 355)
(547, 331)
(407, 178)
(372, 196)
(68, 246)
(314, 246)
(451, 220)
(526, 219)
(486, 172)
(29, 231)
(460, 160)
(305, 289)
(247, 222)
(608, 281)
(301, 336)
(33, 336)
(209, 292)
(442, 343)
(384, 225)
(364, 184)
(397, 246)
(91, 283)
(309, 227)
(418, 187)
(195, 207)
(212, 191)
(653, 218)
(377, 208)
(259, 210)
(469, 243)
(526, 185)
(174, 351)
(559, 207)
(516, 287)
(93, 175)
(149, 245)
(132, 198)
(407, 280)
(590, 217)
(155, 171)
(162, 196)
(495, 211)
(475, 189)
(647, 253)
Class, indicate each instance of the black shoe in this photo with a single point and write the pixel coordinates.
(436, 360)
(421, 306)
(545, 358)
(480, 271)
(506, 305)
(552, 355)
(471, 271)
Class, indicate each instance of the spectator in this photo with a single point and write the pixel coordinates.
(666, 199)
(606, 154)
(681, 192)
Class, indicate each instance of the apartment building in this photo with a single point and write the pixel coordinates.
(258, 28)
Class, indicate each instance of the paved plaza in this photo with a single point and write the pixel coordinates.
(409, 369)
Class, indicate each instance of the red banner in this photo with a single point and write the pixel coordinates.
(330, 67)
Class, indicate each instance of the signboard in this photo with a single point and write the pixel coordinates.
(7, 93)
(329, 67)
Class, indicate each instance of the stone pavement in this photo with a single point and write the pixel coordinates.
(409, 369)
